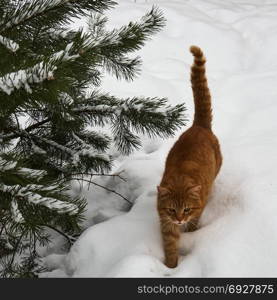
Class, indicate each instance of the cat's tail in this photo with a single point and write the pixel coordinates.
(201, 92)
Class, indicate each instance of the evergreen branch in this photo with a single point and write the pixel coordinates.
(24, 78)
(9, 44)
(121, 66)
(127, 38)
(16, 247)
(15, 212)
(30, 193)
(19, 133)
(36, 74)
(124, 139)
(32, 174)
(56, 145)
(104, 175)
(75, 155)
(27, 11)
(35, 9)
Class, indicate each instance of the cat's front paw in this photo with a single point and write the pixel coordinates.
(171, 263)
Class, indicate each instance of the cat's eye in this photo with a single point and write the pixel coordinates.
(187, 210)
(171, 210)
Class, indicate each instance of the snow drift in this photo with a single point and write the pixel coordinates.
(238, 234)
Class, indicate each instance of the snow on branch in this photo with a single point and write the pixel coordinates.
(24, 78)
(56, 145)
(30, 194)
(9, 44)
(118, 106)
(56, 34)
(64, 55)
(93, 108)
(153, 20)
(26, 172)
(51, 203)
(45, 70)
(6, 165)
(36, 74)
(37, 149)
(96, 24)
(138, 31)
(88, 151)
(16, 214)
(31, 173)
(28, 10)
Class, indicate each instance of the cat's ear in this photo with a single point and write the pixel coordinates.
(162, 191)
(195, 190)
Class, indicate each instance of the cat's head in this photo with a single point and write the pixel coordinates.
(180, 205)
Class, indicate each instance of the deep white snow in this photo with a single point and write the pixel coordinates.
(238, 234)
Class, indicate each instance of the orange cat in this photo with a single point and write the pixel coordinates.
(191, 167)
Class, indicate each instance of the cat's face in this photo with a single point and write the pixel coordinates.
(180, 206)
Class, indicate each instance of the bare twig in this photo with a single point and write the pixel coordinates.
(69, 239)
(105, 188)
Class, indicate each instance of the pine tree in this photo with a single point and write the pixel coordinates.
(48, 116)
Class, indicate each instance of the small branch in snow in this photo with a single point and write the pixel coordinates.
(105, 188)
(70, 239)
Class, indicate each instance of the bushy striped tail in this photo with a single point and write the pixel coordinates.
(201, 92)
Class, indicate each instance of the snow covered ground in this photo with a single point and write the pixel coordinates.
(238, 234)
